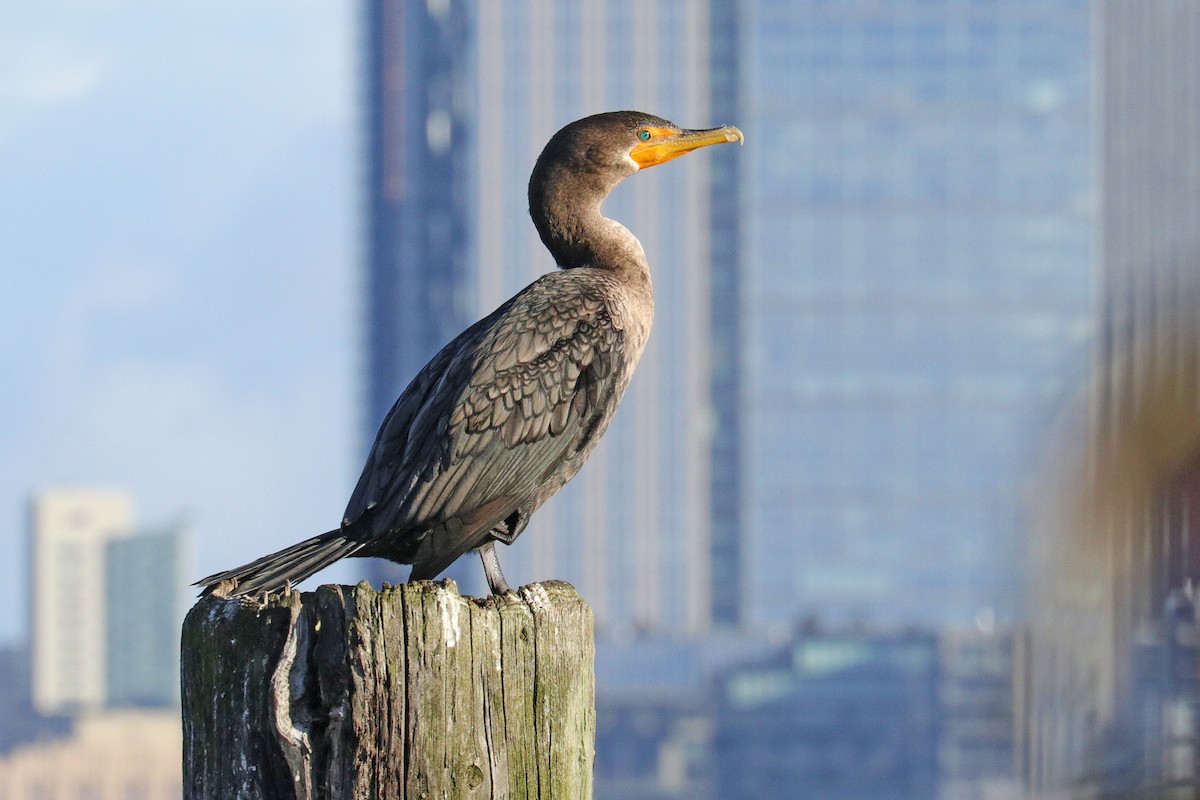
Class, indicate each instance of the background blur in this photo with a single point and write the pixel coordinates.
(901, 503)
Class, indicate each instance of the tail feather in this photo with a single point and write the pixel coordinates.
(287, 566)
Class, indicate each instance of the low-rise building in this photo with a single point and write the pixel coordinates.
(126, 755)
(835, 715)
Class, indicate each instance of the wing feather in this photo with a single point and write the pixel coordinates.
(490, 419)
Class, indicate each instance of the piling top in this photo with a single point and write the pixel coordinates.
(403, 692)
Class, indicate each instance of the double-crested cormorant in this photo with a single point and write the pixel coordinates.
(508, 412)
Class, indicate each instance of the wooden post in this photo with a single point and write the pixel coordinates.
(413, 692)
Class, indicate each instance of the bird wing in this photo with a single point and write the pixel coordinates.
(495, 415)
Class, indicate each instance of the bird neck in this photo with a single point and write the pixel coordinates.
(567, 216)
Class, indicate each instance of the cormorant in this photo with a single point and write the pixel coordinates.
(508, 411)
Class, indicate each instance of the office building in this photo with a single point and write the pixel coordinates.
(462, 97)
(69, 530)
(654, 744)
(654, 712)
(847, 713)
(417, 276)
(106, 602)
(132, 755)
(1115, 643)
(977, 720)
(834, 715)
(147, 596)
(914, 279)
(727, 574)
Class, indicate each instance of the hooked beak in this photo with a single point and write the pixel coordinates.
(666, 143)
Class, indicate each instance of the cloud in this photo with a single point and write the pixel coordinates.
(49, 74)
(56, 82)
(40, 77)
(178, 321)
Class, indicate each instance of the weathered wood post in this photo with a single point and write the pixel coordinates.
(412, 692)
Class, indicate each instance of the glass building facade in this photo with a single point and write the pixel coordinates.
(144, 608)
(463, 96)
(727, 312)
(914, 277)
(415, 295)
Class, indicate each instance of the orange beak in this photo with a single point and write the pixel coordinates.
(666, 143)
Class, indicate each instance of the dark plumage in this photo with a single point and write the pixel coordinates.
(509, 410)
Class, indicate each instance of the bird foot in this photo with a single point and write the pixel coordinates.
(491, 569)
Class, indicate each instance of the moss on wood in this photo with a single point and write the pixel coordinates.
(410, 692)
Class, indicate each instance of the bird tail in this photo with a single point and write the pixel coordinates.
(287, 566)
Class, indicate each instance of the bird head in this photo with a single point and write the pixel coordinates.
(611, 146)
(585, 160)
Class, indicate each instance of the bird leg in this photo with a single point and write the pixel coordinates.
(491, 568)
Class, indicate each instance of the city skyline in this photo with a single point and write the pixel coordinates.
(941, 204)
(106, 600)
(279, 411)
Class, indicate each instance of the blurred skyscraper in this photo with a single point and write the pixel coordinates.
(418, 114)
(462, 97)
(913, 278)
(727, 309)
(146, 599)
(68, 532)
(105, 604)
(1113, 607)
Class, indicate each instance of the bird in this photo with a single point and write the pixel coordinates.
(507, 412)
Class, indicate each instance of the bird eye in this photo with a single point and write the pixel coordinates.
(644, 135)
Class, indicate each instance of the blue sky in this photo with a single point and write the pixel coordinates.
(179, 220)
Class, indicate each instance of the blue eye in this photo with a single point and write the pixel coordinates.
(644, 135)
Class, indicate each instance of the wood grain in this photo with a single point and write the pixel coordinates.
(410, 692)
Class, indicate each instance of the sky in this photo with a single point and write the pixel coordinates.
(179, 219)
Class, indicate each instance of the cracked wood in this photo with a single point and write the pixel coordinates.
(411, 692)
